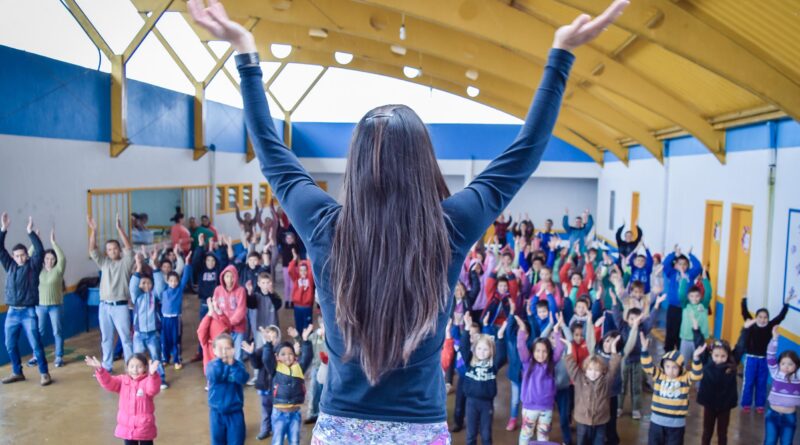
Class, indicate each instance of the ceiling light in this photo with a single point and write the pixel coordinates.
(342, 58)
(318, 33)
(402, 32)
(411, 72)
(399, 50)
(473, 91)
(280, 50)
(472, 74)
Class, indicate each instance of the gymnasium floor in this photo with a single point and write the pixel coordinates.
(75, 410)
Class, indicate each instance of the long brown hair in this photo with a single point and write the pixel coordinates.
(391, 249)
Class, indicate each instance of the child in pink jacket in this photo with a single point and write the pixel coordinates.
(231, 299)
(136, 420)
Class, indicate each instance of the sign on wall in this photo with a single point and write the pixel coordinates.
(791, 279)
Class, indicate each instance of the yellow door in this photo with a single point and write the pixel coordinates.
(711, 242)
(740, 244)
(634, 215)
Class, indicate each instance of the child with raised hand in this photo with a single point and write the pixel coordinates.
(146, 315)
(593, 383)
(671, 385)
(261, 356)
(226, 377)
(695, 311)
(231, 300)
(302, 290)
(171, 309)
(265, 302)
(288, 383)
(679, 270)
(718, 393)
(784, 397)
(211, 326)
(538, 383)
(136, 420)
(755, 362)
(483, 360)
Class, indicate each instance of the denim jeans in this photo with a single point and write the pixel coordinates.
(238, 337)
(564, 403)
(302, 317)
(150, 342)
(514, 400)
(53, 312)
(113, 318)
(779, 428)
(285, 425)
(316, 394)
(17, 319)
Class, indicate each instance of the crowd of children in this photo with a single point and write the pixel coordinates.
(577, 340)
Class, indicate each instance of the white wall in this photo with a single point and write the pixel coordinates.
(672, 210)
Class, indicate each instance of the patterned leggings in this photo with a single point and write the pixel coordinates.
(334, 430)
(535, 420)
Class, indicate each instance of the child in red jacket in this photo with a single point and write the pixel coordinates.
(231, 300)
(302, 291)
(214, 323)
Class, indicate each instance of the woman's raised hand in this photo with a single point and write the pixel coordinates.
(214, 19)
(584, 29)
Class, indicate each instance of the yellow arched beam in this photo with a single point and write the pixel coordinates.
(684, 34)
(313, 57)
(510, 92)
(507, 26)
(354, 32)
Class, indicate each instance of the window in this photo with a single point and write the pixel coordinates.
(264, 194)
(611, 205)
(229, 195)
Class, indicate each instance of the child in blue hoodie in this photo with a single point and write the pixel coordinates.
(146, 316)
(171, 307)
(677, 269)
(226, 378)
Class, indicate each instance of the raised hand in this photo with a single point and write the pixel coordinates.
(5, 221)
(53, 235)
(249, 286)
(660, 299)
(699, 351)
(748, 323)
(644, 340)
(775, 333)
(521, 324)
(486, 319)
(215, 20)
(189, 257)
(307, 331)
(292, 332)
(201, 239)
(248, 347)
(118, 223)
(153, 366)
(92, 362)
(29, 228)
(91, 223)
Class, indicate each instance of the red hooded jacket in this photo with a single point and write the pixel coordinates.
(233, 303)
(303, 289)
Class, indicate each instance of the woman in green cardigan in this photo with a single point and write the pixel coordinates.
(51, 297)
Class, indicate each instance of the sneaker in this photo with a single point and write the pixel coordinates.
(59, 362)
(456, 428)
(619, 412)
(263, 435)
(637, 415)
(206, 388)
(760, 410)
(178, 366)
(45, 379)
(13, 378)
(745, 410)
(512, 424)
(310, 420)
(32, 362)
(164, 386)
(251, 382)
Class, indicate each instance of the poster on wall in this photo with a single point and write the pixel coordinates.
(791, 278)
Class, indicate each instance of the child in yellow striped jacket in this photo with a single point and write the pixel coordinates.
(671, 386)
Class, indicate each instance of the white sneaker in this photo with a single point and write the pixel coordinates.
(636, 415)
(252, 381)
(619, 412)
(164, 386)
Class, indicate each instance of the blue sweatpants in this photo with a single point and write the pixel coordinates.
(171, 333)
(226, 428)
(755, 380)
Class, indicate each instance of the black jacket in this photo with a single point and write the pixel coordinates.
(288, 383)
(207, 279)
(480, 382)
(22, 282)
(718, 389)
(758, 338)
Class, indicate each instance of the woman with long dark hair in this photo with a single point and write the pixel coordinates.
(386, 259)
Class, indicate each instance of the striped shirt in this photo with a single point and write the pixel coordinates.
(670, 396)
(785, 391)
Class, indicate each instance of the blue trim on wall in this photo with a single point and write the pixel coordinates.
(451, 141)
(719, 309)
(77, 318)
(54, 99)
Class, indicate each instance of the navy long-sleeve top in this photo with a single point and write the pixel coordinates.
(415, 392)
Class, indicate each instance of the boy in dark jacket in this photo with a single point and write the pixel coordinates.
(226, 378)
(288, 384)
(259, 359)
(22, 296)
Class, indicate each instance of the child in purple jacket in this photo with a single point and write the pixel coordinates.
(538, 391)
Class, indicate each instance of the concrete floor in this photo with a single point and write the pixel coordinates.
(75, 410)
